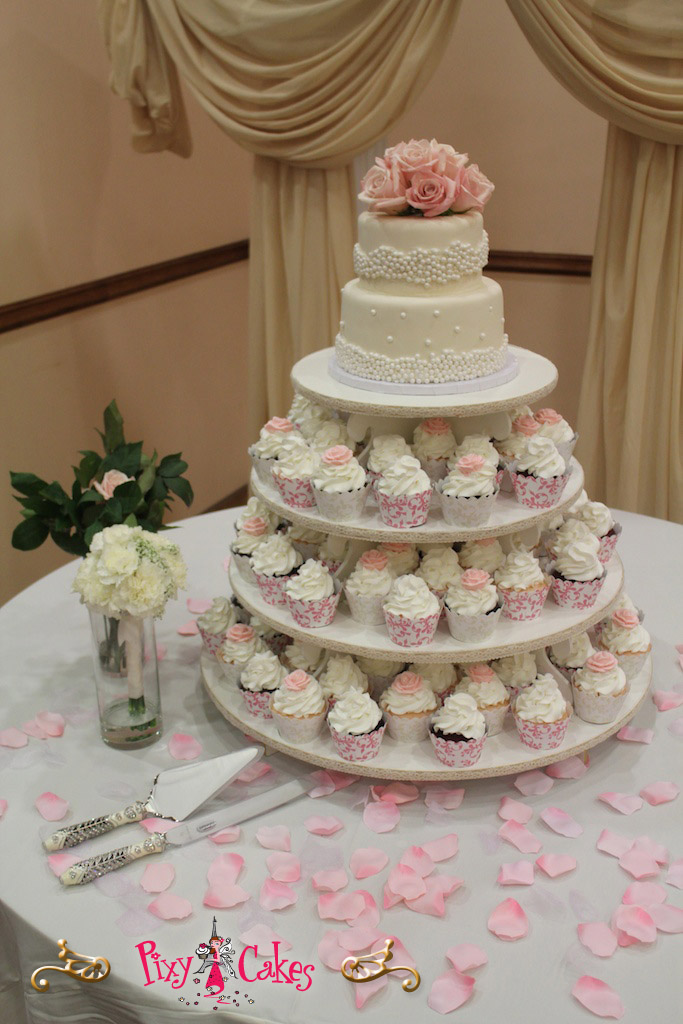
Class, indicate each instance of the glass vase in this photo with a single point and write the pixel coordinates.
(127, 680)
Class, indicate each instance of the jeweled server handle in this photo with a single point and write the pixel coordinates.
(72, 835)
(94, 867)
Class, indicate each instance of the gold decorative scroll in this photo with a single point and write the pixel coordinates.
(374, 965)
(83, 968)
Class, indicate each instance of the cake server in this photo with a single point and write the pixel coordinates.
(87, 870)
(176, 793)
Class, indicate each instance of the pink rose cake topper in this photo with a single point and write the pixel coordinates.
(601, 662)
(255, 526)
(296, 681)
(407, 682)
(240, 633)
(373, 559)
(469, 464)
(526, 425)
(474, 579)
(339, 455)
(480, 672)
(547, 417)
(625, 618)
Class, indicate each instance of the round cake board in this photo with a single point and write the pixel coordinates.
(507, 372)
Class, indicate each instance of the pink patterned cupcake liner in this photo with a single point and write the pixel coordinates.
(608, 543)
(472, 511)
(457, 753)
(436, 469)
(403, 511)
(358, 748)
(524, 605)
(495, 718)
(411, 728)
(298, 730)
(566, 448)
(598, 709)
(411, 632)
(535, 492)
(366, 608)
(472, 628)
(272, 588)
(263, 468)
(341, 507)
(333, 564)
(542, 735)
(212, 641)
(576, 593)
(295, 493)
(314, 614)
(257, 702)
(244, 566)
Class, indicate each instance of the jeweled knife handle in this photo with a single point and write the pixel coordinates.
(72, 835)
(87, 870)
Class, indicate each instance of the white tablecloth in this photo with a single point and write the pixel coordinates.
(45, 664)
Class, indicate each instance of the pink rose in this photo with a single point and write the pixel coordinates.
(384, 189)
(436, 426)
(473, 190)
(373, 559)
(469, 464)
(297, 680)
(277, 425)
(240, 633)
(255, 526)
(475, 579)
(407, 682)
(396, 547)
(480, 672)
(413, 156)
(526, 425)
(601, 662)
(110, 481)
(624, 618)
(448, 162)
(547, 416)
(430, 192)
(339, 455)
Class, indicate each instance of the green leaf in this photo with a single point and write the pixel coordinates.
(26, 483)
(159, 490)
(112, 512)
(129, 495)
(30, 534)
(90, 533)
(56, 493)
(73, 544)
(146, 478)
(172, 465)
(155, 515)
(88, 468)
(130, 520)
(182, 488)
(125, 458)
(89, 498)
(113, 427)
(38, 506)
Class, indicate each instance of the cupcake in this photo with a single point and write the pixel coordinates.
(384, 451)
(262, 675)
(411, 612)
(630, 642)
(566, 533)
(472, 606)
(276, 436)
(403, 558)
(598, 518)
(332, 553)
(329, 434)
(367, 586)
(308, 416)
(599, 688)
(404, 494)
(439, 676)
(490, 694)
(516, 672)
(298, 707)
(341, 674)
(486, 554)
(340, 486)
(253, 533)
(570, 655)
(476, 444)
(292, 472)
(524, 427)
(215, 622)
(312, 596)
(380, 672)
(356, 726)
(274, 640)
(306, 656)
(542, 714)
(439, 568)
(577, 573)
(273, 563)
(458, 731)
(468, 493)
(240, 645)
(256, 507)
(539, 474)
(408, 705)
(522, 586)
(307, 542)
(554, 426)
(433, 445)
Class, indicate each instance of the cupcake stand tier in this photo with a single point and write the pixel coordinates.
(502, 754)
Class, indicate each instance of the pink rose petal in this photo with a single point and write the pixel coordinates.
(644, 893)
(253, 771)
(517, 872)
(612, 843)
(284, 867)
(170, 907)
(417, 859)
(636, 922)
(598, 997)
(276, 895)
(520, 837)
(161, 825)
(329, 782)
(631, 734)
(274, 837)
(35, 730)
(157, 877)
(533, 783)
(660, 793)
(432, 902)
(223, 895)
(369, 916)
(514, 810)
(60, 862)
(51, 806)
(448, 798)
(198, 605)
(554, 864)
(665, 700)
(466, 957)
(658, 852)
(368, 989)
(331, 880)
(561, 822)
(330, 952)
(570, 768)
(674, 875)
(13, 737)
(449, 991)
(508, 921)
(360, 937)
(666, 918)
(598, 937)
(625, 803)
(405, 882)
(390, 899)
(344, 906)
(51, 722)
(226, 867)
(638, 863)
(367, 861)
(321, 826)
(183, 747)
(226, 835)
(396, 792)
(382, 816)
(188, 628)
(262, 936)
(442, 848)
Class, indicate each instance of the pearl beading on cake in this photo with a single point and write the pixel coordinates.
(424, 267)
(434, 369)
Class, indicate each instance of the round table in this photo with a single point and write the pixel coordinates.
(46, 665)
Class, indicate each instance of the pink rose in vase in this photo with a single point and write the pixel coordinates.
(110, 481)
(431, 193)
(473, 192)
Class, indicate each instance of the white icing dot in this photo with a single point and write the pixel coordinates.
(403, 315)
(373, 312)
(437, 312)
(428, 341)
(483, 335)
(390, 338)
(490, 309)
(457, 330)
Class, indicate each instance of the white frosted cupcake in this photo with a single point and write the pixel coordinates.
(215, 622)
(554, 426)
(312, 596)
(570, 655)
(404, 493)
(486, 554)
(274, 640)
(490, 694)
(411, 612)
(273, 562)
(408, 705)
(276, 436)
(256, 507)
(598, 518)
(439, 676)
(439, 568)
(307, 542)
(599, 688)
(356, 726)
(306, 414)
(403, 557)
(329, 434)
(524, 427)
(433, 445)
(306, 656)
(262, 675)
(539, 475)
(384, 450)
(522, 585)
(367, 586)
(253, 533)
(476, 444)
(568, 532)
(341, 674)
(542, 714)
(239, 647)
(469, 491)
(340, 485)
(624, 637)
(516, 672)
(577, 573)
(380, 672)
(472, 606)
(458, 731)
(298, 707)
(293, 472)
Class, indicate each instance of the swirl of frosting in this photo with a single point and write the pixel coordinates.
(526, 425)
(298, 695)
(330, 554)
(382, 667)
(625, 617)
(276, 556)
(480, 672)
(245, 543)
(513, 446)
(371, 575)
(459, 716)
(471, 476)
(541, 459)
(473, 594)
(308, 657)
(518, 670)
(278, 425)
(218, 618)
(339, 471)
(386, 448)
(263, 672)
(300, 405)
(411, 598)
(312, 419)
(484, 554)
(601, 675)
(541, 702)
(241, 643)
(297, 463)
(475, 444)
(404, 476)
(519, 571)
(439, 676)
(312, 582)
(439, 568)
(434, 439)
(570, 532)
(553, 426)
(572, 653)
(577, 504)
(408, 693)
(403, 558)
(620, 639)
(488, 693)
(255, 526)
(579, 561)
(272, 442)
(597, 517)
(330, 434)
(256, 507)
(342, 674)
(373, 559)
(354, 714)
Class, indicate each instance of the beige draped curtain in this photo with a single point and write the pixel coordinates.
(624, 60)
(305, 85)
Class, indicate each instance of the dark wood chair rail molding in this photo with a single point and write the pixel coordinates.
(81, 296)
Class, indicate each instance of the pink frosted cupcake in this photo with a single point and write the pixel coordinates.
(554, 426)
(273, 563)
(215, 622)
(356, 726)
(598, 518)
(469, 491)
(522, 585)
(542, 714)
(539, 475)
(411, 612)
(312, 595)
(275, 437)
(630, 642)
(239, 647)
(458, 731)
(440, 676)
(256, 507)
(259, 679)
(404, 494)
(293, 473)
(433, 445)
(367, 587)
(340, 485)
(298, 707)
(577, 573)
(599, 689)
(491, 696)
(253, 533)
(524, 426)
(379, 672)
(478, 444)
(570, 655)
(486, 554)
(473, 606)
(408, 705)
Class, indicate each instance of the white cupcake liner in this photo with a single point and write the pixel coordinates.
(358, 748)
(472, 628)
(404, 511)
(231, 673)
(263, 467)
(298, 730)
(314, 614)
(467, 511)
(297, 493)
(436, 469)
(408, 728)
(504, 480)
(457, 753)
(244, 566)
(272, 588)
(524, 605)
(366, 608)
(536, 492)
(542, 735)
(631, 662)
(599, 709)
(257, 702)
(566, 448)
(608, 543)
(212, 641)
(411, 632)
(342, 507)
(576, 593)
(495, 718)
